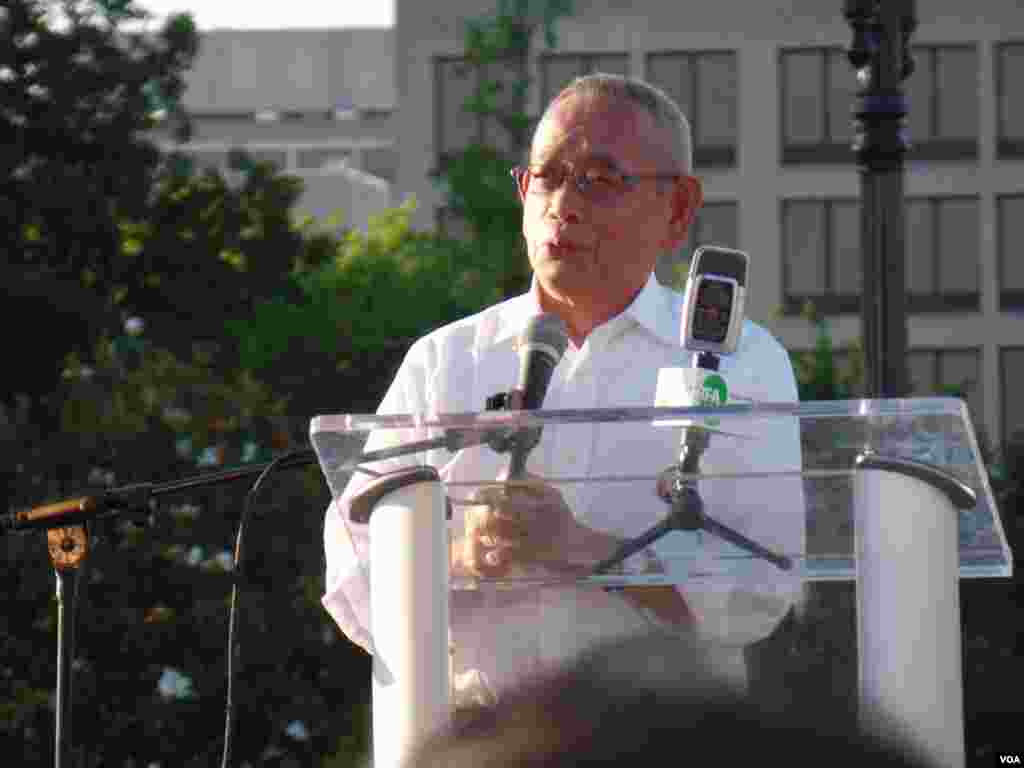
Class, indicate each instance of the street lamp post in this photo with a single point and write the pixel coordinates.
(880, 55)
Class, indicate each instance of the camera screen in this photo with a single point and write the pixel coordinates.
(712, 311)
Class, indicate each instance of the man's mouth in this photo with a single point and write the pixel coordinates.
(566, 246)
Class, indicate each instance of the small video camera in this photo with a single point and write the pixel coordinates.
(715, 295)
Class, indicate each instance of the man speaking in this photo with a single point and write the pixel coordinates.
(608, 189)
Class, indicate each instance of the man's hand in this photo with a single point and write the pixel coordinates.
(525, 521)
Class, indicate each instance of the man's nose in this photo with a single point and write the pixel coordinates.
(566, 201)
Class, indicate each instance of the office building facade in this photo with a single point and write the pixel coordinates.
(769, 93)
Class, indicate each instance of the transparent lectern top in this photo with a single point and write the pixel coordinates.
(780, 474)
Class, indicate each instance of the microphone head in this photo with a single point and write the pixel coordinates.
(541, 345)
(548, 333)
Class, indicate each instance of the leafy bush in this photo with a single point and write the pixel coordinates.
(390, 283)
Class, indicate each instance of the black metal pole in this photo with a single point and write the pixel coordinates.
(880, 55)
(68, 549)
(67, 587)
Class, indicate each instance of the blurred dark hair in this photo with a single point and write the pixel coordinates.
(651, 701)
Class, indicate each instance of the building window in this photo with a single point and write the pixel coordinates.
(716, 223)
(941, 252)
(703, 84)
(947, 372)
(1011, 371)
(326, 158)
(818, 96)
(557, 70)
(942, 96)
(1009, 82)
(821, 258)
(848, 374)
(382, 162)
(455, 129)
(849, 365)
(375, 116)
(456, 84)
(1010, 212)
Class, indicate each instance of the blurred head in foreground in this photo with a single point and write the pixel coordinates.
(648, 701)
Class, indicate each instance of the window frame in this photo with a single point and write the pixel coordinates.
(704, 155)
(1012, 299)
(941, 352)
(695, 227)
(822, 152)
(826, 303)
(1004, 431)
(943, 150)
(1006, 147)
(685, 252)
(586, 61)
(940, 303)
(830, 152)
(441, 157)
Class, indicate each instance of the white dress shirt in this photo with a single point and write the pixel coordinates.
(499, 635)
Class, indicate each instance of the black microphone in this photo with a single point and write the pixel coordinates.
(541, 345)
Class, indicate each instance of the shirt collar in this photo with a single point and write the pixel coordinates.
(516, 312)
(653, 309)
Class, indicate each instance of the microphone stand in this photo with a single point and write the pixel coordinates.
(65, 523)
(136, 500)
(686, 513)
(677, 488)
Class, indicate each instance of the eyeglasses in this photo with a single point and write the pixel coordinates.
(602, 186)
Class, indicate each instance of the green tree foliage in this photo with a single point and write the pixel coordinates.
(210, 250)
(102, 229)
(476, 181)
(151, 662)
(817, 375)
(336, 341)
(75, 102)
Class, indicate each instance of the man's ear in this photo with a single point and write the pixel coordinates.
(687, 198)
(521, 183)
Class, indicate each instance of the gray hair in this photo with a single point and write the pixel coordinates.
(631, 90)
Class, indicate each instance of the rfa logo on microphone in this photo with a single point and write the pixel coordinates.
(680, 387)
(685, 387)
(713, 390)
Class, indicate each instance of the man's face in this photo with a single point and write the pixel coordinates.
(599, 254)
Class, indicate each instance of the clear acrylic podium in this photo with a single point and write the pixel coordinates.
(889, 494)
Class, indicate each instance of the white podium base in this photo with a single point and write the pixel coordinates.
(409, 620)
(908, 613)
